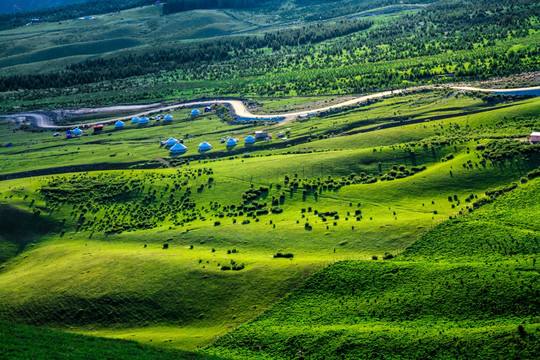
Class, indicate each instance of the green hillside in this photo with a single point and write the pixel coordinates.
(449, 295)
(400, 227)
(25, 342)
(178, 251)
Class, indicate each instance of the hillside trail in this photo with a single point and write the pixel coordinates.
(238, 108)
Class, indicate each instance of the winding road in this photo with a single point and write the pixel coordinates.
(239, 110)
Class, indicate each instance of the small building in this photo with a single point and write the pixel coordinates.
(144, 121)
(204, 146)
(135, 120)
(178, 149)
(249, 140)
(231, 142)
(77, 132)
(207, 109)
(535, 137)
(168, 118)
(56, 134)
(195, 112)
(98, 128)
(261, 135)
(119, 124)
(171, 142)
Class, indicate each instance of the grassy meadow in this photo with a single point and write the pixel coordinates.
(245, 253)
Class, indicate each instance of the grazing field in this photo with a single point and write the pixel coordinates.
(404, 226)
(115, 237)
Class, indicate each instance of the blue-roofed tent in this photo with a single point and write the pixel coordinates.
(77, 132)
(195, 112)
(119, 124)
(207, 109)
(249, 140)
(144, 120)
(232, 142)
(178, 149)
(204, 146)
(171, 141)
(135, 120)
(168, 118)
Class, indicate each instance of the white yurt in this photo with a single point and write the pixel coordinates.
(249, 140)
(171, 141)
(168, 118)
(77, 132)
(144, 120)
(232, 142)
(135, 120)
(119, 124)
(195, 112)
(204, 146)
(178, 149)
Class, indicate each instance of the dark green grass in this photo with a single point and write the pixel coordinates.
(18, 228)
(20, 342)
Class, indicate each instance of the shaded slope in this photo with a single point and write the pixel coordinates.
(24, 342)
(18, 228)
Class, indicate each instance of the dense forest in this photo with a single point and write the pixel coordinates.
(444, 41)
(174, 6)
(72, 11)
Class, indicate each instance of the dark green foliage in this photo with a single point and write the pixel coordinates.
(174, 6)
(284, 255)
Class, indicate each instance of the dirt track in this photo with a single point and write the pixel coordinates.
(238, 108)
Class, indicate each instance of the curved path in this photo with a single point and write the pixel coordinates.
(238, 108)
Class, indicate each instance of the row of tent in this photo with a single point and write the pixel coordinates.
(144, 120)
(178, 147)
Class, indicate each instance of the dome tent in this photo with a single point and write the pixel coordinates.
(178, 149)
(171, 141)
(195, 112)
(232, 142)
(204, 146)
(135, 120)
(249, 139)
(119, 124)
(77, 132)
(144, 120)
(168, 118)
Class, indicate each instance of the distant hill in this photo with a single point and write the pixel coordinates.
(13, 6)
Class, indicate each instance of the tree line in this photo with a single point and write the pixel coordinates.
(175, 6)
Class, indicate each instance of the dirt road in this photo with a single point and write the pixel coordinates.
(238, 108)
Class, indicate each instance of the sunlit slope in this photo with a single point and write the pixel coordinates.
(482, 304)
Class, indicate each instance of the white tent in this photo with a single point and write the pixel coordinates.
(171, 141)
(135, 120)
(249, 139)
(119, 124)
(168, 118)
(232, 142)
(178, 149)
(204, 146)
(144, 120)
(195, 112)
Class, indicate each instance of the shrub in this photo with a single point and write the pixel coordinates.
(285, 255)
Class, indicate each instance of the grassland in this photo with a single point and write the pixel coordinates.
(147, 254)
(24, 342)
